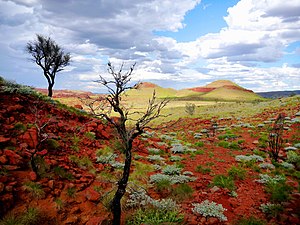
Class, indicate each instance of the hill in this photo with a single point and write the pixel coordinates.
(222, 90)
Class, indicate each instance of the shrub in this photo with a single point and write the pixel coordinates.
(35, 189)
(255, 158)
(171, 170)
(30, 217)
(224, 182)
(199, 144)
(62, 173)
(190, 108)
(270, 209)
(265, 178)
(210, 209)
(203, 170)
(227, 136)
(237, 172)
(287, 165)
(175, 158)
(155, 217)
(163, 185)
(90, 135)
(154, 151)
(266, 166)
(52, 144)
(71, 192)
(153, 158)
(107, 158)
(250, 221)
(182, 191)
(177, 148)
(292, 157)
(279, 191)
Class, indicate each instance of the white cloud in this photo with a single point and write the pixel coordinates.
(96, 31)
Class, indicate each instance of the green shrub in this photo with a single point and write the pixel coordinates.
(199, 144)
(272, 210)
(31, 216)
(224, 144)
(203, 170)
(52, 144)
(182, 191)
(224, 182)
(75, 142)
(20, 127)
(71, 192)
(279, 191)
(163, 185)
(35, 189)
(62, 173)
(250, 221)
(155, 217)
(90, 135)
(237, 172)
(227, 136)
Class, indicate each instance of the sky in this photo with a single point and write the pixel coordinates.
(174, 43)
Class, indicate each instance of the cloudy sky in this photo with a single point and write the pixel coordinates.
(175, 43)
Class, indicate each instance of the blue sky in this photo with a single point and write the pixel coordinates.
(175, 43)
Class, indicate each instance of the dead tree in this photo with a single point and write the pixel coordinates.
(275, 137)
(112, 102)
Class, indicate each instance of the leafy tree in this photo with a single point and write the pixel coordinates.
(49, 56)
(103, 107)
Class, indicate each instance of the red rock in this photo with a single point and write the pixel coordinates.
(13, 157)
(78, 107)
(212, 220)
(51, 184)
(32, 176)
(3, 179)
(43, 152)
(30, 137)
(92, 195)
(3, 159)
(9, 188)
(3, 139)
(14, 108)
(1, 187)
(98, 220)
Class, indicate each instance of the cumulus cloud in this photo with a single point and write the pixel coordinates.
(98, 31)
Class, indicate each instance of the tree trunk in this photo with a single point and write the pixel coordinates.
(122, 184)
(50, 92)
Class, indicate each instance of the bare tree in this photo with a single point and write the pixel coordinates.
(276, 137)
(49, 56)
(112, 102)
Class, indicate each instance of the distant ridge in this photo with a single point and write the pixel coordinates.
(278, 94)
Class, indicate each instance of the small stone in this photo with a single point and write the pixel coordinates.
(212, 220)
(51, 184)
(1, 187)
(93, 195)
(214, 189)
(32, 176)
